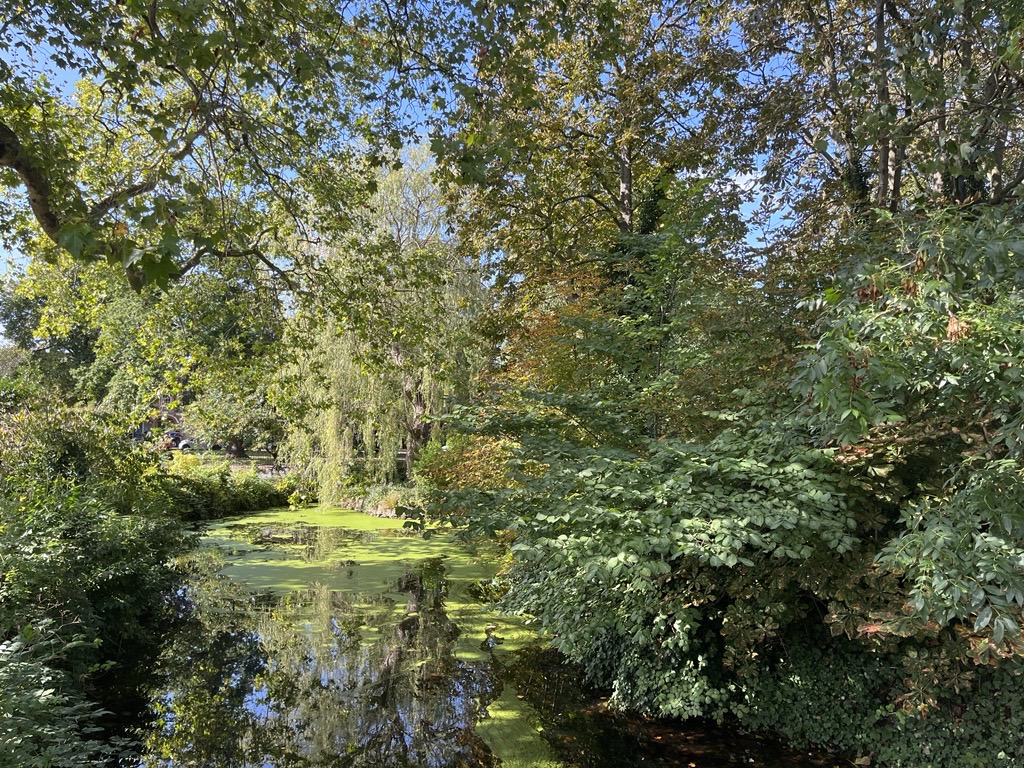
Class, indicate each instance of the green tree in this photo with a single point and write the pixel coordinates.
(402, 343)
(56, 354)
(197, 132)
(887, 103)
(574, 124)
(860, 529)
(207, 348)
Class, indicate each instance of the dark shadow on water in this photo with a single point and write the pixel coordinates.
(585, 733)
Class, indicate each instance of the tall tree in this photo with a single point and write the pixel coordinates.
(402, 300)
(574, 121)
(895, 102)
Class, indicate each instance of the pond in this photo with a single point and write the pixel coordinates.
(333, 638)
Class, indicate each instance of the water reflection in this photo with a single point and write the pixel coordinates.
(353, 644)
(320, 678)
(313, 543)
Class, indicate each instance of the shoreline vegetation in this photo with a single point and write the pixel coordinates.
(89, 524)
(89, 503)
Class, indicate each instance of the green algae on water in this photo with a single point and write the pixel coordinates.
(319, 630)
(283, 550)
(512, 731)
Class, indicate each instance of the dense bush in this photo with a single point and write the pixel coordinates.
(639, 565)
(825, 692)
(85, 539)
(84, 521)
(44, 721)
(203, 491)
(750, 577)
(88, 524)
(461, 461)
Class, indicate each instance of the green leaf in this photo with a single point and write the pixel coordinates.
(77, 239)
(983, 618)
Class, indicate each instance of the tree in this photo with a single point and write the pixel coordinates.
(57, 353)
(403, 301)
(577, 122)
(889, 103)
(859, 530)
(208, 349)
(197, 132)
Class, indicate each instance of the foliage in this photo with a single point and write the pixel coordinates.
(44, 723)
(393, 340)
(56, 355)
(921, 331)
(690, 576)
(88, 523)
(84, 542)
(385, 500)
(683, 573)
(207, 348)
(574, 122)
(658, 550)
(75, 448)
(462, 461)
(361, 421)
(160, 160)
(884, 104)
(204, 491)
(977, 725)
(236, 414)
(20, 383)
(686, 541)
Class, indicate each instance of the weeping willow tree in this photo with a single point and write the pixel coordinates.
(391, 341)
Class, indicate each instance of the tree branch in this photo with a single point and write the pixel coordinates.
(152, 179)
(121, 196)
(15, 156)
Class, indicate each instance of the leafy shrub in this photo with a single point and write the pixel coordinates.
(81, 447)
(761, 577)
(84, 543)
(823, 692)
(462, 461)
(77, 564)
(44, 721)
(204, 491)
(17, 389)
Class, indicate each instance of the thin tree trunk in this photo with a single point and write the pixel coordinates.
(625, 188)
(884, 105)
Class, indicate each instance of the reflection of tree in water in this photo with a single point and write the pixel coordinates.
(314, 542)
(325, 681)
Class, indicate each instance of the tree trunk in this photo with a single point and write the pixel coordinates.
(882, 146)
(418, 427)
(625, 199)
(234, 448)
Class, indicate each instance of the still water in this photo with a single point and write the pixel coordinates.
(323, 638)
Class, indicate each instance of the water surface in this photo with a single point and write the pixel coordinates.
(318, 638)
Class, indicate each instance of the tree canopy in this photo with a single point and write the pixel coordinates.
(195, 133)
